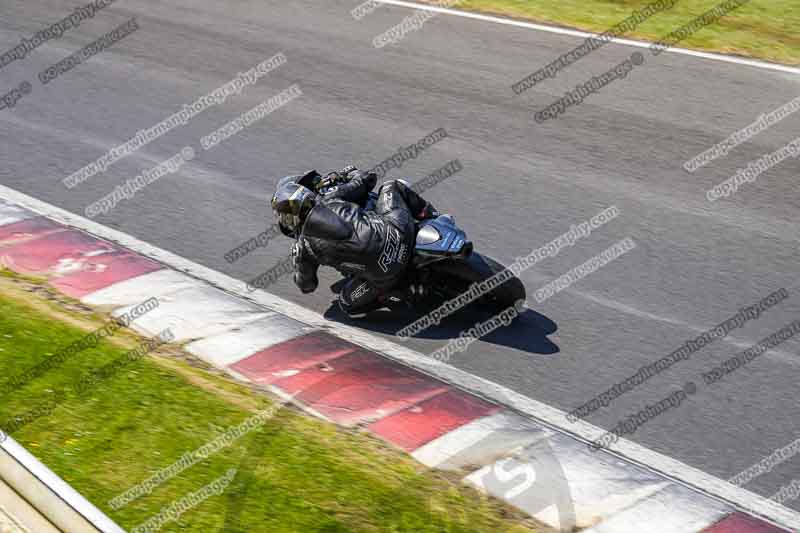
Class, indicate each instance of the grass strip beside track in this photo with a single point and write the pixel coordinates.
(312, 476)
(762, 29)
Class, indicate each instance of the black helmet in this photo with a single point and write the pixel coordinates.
(291, 203)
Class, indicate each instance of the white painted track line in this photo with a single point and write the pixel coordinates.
(577, 33)
(554, 418)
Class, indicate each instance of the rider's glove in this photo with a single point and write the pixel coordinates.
(335, 178)
(346, 171)
(329, 180)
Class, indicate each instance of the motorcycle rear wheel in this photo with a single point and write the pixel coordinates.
(456, 276)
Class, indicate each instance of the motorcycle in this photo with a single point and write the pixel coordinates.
(444, 265)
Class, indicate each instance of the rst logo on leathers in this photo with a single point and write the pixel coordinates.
(359, 291)
(390, 249)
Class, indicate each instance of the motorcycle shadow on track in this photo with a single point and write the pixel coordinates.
(528, 332)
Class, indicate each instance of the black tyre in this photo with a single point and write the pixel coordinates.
(456, 276)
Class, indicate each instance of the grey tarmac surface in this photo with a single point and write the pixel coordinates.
(523, 183)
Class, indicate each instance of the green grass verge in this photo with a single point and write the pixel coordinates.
(295, 474)
(763, 29)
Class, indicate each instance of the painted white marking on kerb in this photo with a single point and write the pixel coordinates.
(543, 413)
(583, 34)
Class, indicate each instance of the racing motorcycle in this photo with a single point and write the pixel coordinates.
(443, 265)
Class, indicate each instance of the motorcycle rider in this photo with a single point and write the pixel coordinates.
(328, 218)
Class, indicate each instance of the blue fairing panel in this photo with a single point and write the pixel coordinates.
(451, 240)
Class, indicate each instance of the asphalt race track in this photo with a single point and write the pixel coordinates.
(523, 183)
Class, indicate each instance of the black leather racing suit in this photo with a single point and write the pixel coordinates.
(373, 247)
